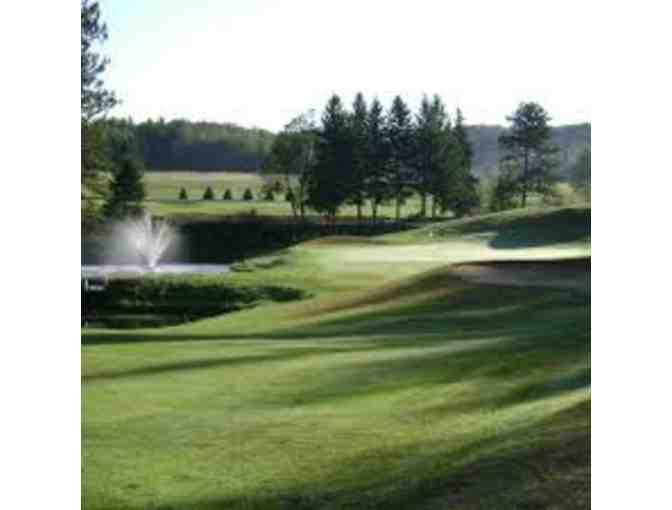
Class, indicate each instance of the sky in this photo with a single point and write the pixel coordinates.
(259, 63)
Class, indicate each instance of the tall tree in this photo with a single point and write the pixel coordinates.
(330, 181)
(432, 152)
(293, 155)
(95, 101)
(527, 147)
(359, 126)
(376, 183)
(461, 193)
(400, 135)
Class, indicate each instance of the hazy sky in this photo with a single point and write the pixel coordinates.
(261, 62)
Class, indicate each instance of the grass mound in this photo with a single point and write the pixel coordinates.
(520, 228)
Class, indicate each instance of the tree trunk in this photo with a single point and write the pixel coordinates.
(434, 205)
(525, 177)
(374, 211)
(397, 212)
(359, 211)
(423, 204)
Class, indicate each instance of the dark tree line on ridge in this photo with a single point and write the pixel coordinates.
(200, 146)
(367, 157)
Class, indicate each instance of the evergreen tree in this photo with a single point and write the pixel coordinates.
(95, 100)
(359, 126)
(400, 135)
(126, 190)
(432, 152)
(209, 194)
(503, 195)
(227, 195)
(247, 195)
(269, 196)
(376, 188)
(330, 183)
(527, 144)
(183, 194)
(461, 193)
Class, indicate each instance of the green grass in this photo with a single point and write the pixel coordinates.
(167, 185)
(399, 385)
(163, 189)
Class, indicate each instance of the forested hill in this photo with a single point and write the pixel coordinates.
(572, 140)
(202, 146)
(210, 146)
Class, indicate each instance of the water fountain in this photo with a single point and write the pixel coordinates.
(149, 238)
(144, 240)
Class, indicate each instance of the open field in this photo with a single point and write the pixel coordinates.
(402, 383)
(163, 189)
(167, 185)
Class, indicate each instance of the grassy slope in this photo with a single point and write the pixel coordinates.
(398, 386)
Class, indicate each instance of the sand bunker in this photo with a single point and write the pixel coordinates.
(567, 274)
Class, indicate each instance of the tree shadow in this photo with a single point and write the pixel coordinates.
(536, 465)
(548, 228)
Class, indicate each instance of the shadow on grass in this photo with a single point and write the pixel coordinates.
(220, 362)
(537, 465)
(531, 230)
(431, 304)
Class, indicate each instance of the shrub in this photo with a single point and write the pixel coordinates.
(503, 194)
(559, 194)
(248, 195)
(227, 195)
(289, 196)
(183, 194)
(209, 194)
(269, 197)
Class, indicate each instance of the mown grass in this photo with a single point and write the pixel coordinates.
(399, 385)
(163, 190)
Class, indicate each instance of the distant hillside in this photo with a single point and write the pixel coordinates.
(572, 140)
(197, 146)
(211, 146)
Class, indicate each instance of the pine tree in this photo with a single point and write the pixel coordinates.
(126, 190)
(227, 195)
(432, 152)
(247, 195)
(376, 188)
(461, 193)
(400, 135)
(359, 127)
(95, 100)
(183, 194)
(330, 185)
(527, 143)
(209, 194)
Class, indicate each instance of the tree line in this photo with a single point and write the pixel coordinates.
(369, 156)
(201, 146)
